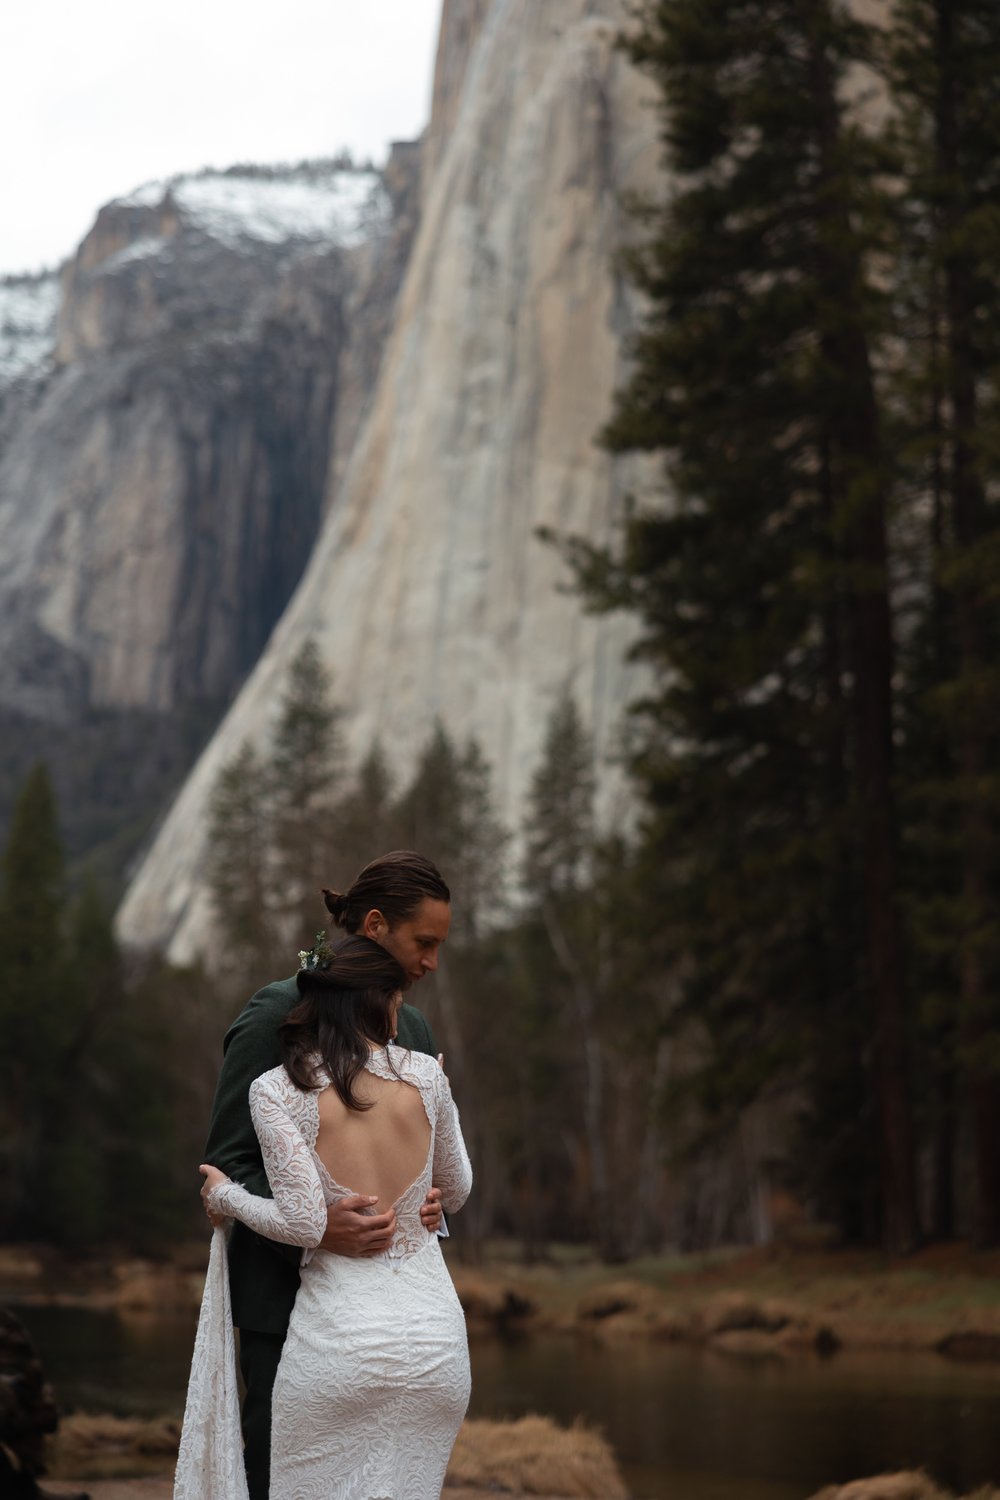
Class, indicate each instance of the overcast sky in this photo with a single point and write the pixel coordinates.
(97, 98)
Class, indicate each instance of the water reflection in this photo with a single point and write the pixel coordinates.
(693, 1422)
(683, 1421)
(99, 1362)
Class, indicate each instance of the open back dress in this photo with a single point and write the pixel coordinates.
(374, 1375)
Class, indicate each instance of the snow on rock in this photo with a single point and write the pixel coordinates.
(311, 202)
(142, 249)
(28, 307)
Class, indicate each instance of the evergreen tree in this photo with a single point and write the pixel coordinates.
(560, 833)
(76, 1059)
(91, 1067)
(36, 1013)
(559, 869)
(305, 766)
(945, 65)
(429, 812)
(32, 892)
(446, 813)
(764, 592)
(240, 874)
(478, 862)
(365, 820)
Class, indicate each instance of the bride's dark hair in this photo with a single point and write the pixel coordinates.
(345, 1007)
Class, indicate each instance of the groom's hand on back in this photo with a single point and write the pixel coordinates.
(430, 1211)
(352, 1231)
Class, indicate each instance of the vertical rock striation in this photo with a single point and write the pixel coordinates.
(428, 590)
(164, 458)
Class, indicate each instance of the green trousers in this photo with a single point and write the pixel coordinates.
(259, 1356)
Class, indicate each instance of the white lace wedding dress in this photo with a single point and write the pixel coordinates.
(374, 1375)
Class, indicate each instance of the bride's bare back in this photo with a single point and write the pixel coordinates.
(380, 1151)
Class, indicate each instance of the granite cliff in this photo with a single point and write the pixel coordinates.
(428, 590)
(169, 416)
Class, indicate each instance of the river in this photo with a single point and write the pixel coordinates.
(683, 1421)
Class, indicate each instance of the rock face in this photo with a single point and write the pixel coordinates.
(165, 438)
(428, 590)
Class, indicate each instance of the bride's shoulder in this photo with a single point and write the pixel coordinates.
(416, 1064)
(275, 1083)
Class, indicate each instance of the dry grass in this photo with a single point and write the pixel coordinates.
(908, 1485)
(19, 1262)
(491, 1300)
(535, 1457)
(946, 1297)
(99, 1446)
(114, 1489)
(145, 1287)
(530, 1457)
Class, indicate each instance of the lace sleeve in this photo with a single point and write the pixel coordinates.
(297, 1213)
(452, 1168)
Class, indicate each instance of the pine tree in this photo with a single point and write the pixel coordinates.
(945, 64)
(304, 769)
(35, 1004)
(66, 1059)
(93, 1066)
(478, 861)
(240, 872)
(560, 833)
(365, 820)
(559, 872)
(764, 591)
(446, 813)
(428, 812)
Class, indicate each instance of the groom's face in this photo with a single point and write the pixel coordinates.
(415, 944)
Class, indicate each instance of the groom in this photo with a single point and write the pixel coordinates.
(401, 902)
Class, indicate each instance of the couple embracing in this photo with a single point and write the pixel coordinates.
(330, 1106)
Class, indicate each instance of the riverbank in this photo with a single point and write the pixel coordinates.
(162, 1489)
(120, 1459)
(944, 1299)
(910, 1485)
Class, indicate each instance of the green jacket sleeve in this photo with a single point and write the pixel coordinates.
(413, 1031)
(250, 1049)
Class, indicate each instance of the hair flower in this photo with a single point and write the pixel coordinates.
(318, 956)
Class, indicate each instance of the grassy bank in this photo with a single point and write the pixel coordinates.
(944, 1298)
(532, 1456)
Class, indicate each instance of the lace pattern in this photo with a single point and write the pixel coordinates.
(287, 1123)
(374, 1375)
(210, 1459)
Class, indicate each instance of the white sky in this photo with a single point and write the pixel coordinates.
(97, 98)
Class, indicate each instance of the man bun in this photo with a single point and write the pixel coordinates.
(336, 905)
(394, 884)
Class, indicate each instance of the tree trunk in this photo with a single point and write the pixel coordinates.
(860, 487)
(974, 732)
(604, 1208)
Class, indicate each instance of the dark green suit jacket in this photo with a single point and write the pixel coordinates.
(264, 1276)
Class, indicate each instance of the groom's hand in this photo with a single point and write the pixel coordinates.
(430, 1211)
(350, 1231)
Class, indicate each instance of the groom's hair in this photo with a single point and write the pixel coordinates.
(394, 883)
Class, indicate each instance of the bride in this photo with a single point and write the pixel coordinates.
(374, 1375)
